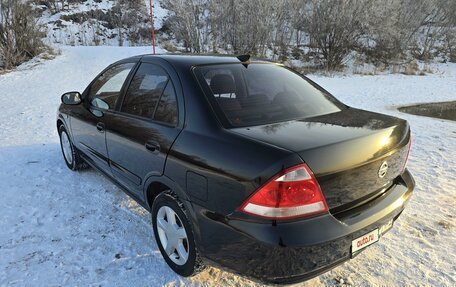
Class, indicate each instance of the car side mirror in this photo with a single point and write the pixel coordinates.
(72, 98)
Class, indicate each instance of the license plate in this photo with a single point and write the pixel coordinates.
(364, 241)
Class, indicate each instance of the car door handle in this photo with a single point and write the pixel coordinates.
(153, 146)
(100, 127)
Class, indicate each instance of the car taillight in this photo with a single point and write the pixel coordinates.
(292, 193)
(408, 153)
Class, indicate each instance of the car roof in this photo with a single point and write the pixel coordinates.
(191, 60)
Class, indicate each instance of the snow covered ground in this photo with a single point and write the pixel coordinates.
(58, 227)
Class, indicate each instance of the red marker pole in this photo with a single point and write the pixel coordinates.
(152, 25)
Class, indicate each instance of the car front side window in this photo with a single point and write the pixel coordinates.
(105, 91)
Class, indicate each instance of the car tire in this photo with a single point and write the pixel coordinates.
(172, 230)
(70, 155)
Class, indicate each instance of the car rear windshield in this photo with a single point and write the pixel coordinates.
(262, 93)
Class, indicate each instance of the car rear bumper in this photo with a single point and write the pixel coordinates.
(289, 252)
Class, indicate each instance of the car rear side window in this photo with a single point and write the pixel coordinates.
(105, 91)
(261, 93)
(145, 90)
(167, 107)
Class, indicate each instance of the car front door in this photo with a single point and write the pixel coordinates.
(146, 125)
(88, 122)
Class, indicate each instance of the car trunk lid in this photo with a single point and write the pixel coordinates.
(354, 154)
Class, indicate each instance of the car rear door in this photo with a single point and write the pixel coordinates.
(145, 126)
(88, 122)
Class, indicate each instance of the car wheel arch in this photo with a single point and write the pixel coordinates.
(153, 190)
(59, 123)
(155, 185)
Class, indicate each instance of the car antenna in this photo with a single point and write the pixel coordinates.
(245, 59)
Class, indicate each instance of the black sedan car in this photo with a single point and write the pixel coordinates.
(243, 164)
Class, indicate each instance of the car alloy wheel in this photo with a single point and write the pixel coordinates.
(172, 235)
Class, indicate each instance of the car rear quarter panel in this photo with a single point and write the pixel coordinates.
(228, 166)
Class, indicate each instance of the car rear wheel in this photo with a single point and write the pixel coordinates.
(70, 154)
(174, 235)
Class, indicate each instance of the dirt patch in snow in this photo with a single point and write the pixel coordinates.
(442, 110)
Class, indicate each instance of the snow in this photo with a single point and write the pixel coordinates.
(93, 31)
(78, 229)
(159, 12)
(69, 32)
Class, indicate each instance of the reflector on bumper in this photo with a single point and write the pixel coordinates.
(279, 212)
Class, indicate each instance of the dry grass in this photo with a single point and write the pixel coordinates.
(411, 68)
(169, 47)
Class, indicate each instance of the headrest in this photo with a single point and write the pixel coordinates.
(228, 104)
(222, 84)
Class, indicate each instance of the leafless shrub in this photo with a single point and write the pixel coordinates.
(334, 28)
(20, 35)
(388, 32)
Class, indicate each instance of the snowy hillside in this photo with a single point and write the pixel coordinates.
(60, 228)
(96, 22)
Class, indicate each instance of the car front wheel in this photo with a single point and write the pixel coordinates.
(70, 154)
(174, 235)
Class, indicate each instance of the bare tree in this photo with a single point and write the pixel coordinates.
(188, 23)
(128, 17)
